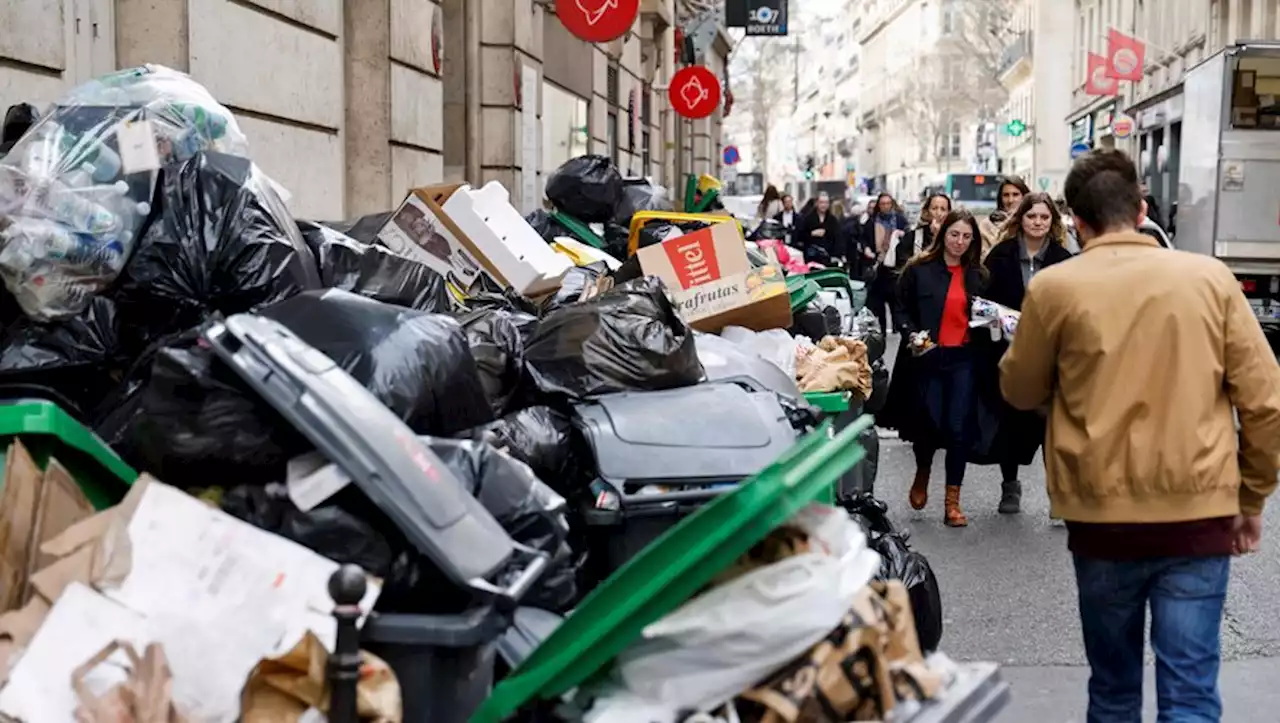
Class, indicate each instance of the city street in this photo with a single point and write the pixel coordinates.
(1008, 595)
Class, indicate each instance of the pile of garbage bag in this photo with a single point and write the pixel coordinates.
(578, 424)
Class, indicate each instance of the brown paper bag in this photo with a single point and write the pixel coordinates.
(146, 696)
(281, 690)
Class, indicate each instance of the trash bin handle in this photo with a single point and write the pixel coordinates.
(510, 596)
(682, 496)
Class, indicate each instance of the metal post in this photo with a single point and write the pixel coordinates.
(347, 588)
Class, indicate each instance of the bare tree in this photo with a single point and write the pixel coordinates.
(956, 83)
(764, 72)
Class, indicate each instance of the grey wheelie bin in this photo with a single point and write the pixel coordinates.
(444, 662)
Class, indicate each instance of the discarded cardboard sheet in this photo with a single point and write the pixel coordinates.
(35, 506)
(146, 695)
(421, 230)
(286, 689)
(712, 283)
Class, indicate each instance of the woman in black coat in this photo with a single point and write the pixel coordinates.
(819, 236)
(938, 405)
(1034, 238)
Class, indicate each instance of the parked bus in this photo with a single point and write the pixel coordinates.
(977, 192)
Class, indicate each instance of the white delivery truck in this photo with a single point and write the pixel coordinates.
(1229, 178)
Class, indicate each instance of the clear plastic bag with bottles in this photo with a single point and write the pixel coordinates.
(75, 193)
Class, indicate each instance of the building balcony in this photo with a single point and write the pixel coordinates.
(1016, 55)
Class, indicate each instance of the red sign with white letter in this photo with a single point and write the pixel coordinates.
(694, 92)
(1125, 56)
(598, 21)
(693, 257)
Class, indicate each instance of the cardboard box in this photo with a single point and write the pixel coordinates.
(712, 283)
(461, 232)
(420, 230)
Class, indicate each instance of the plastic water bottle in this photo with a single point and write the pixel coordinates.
(56, 202)
(103, 163)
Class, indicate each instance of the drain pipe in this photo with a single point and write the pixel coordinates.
(472, 73)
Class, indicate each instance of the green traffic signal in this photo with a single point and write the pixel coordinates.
(1015, 127)
(808, 175)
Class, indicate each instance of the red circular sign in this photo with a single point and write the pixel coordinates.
(598, 21)
(694, 92)
(1122, 126)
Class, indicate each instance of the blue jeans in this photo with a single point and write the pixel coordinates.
(1186, 595)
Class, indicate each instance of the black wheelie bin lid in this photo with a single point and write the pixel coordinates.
(712, 432)
(383, 456)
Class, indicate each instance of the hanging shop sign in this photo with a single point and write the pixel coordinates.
(694, 92)
(598, 21)
(757, 17)
(1122, 126)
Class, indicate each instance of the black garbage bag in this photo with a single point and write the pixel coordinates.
(220, 240)
(497, 339)
(527, 509)
(617, 240)
(73, 362)
(629, 338)
(18, 119)
(363, 229)
(485, 293)
(188, 419)
(588, 188)
(418, 364)
(655, 232)
(547, 227)
(373, 271)
(640, 196)
(348, 528)
(879, 387)
(547, 441)
(574, 284)
(899, 562)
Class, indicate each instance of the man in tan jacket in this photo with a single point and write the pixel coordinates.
(1142, 354)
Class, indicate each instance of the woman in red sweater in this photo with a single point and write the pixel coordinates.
(935, 292)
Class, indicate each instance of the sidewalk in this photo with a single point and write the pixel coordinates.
(1059, 694)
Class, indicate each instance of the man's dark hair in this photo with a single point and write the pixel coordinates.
(1102, 189)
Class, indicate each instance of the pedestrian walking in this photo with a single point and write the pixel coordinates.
(819, 234)
(1033, 238)
(788, 217)
(1141, 355)
(770, 206)
(934, 297)
(1008, 197)
(884, 224)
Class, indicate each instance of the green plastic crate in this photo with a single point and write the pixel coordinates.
(581, 230)
(830, 402)
(675, 567)
(837, 279)
(802, 291)
(47, 431)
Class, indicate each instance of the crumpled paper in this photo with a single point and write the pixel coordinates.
(998, 318)
(283, 689)
(835, 364)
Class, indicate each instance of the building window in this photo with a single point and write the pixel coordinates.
(949, 19)
(564, 127)
(612, 105)
(646, 123)
(950, 142)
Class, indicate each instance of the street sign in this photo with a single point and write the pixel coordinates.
(1079, 149)
(731, 156)
(757, 17)
(598, 21)
(1043, 182)
(694, 92)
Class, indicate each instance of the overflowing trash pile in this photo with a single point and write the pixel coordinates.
(220, 418)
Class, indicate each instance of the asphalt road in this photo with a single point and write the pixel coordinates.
(1008, 594)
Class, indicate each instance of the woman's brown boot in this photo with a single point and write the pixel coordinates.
(954, 516)
(919, 495)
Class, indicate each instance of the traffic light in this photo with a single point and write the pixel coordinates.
(808, 168)
(1015, 127)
